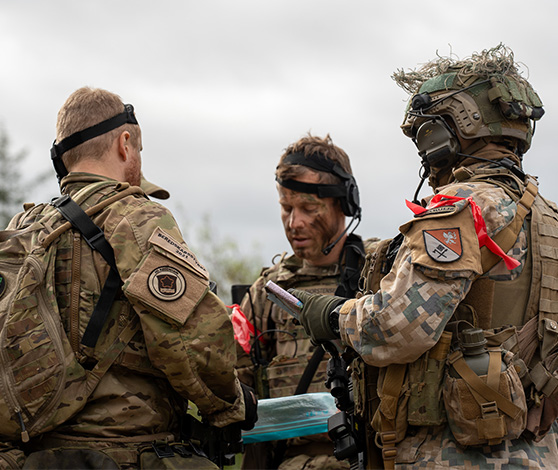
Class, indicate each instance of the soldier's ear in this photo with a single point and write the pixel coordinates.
(124, 145)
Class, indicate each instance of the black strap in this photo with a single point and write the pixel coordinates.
(95, 238)
(321, 190)
(350, 270)
(77, 138)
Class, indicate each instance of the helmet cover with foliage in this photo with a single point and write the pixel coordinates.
(484, 95)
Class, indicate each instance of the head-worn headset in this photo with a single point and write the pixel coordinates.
(346, 192)
(77, 138)
(436, 141)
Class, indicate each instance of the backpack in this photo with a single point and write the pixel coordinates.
(42, 384)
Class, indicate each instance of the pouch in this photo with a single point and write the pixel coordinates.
(425, 375)
(485, 409)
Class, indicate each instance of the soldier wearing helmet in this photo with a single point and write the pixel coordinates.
(458, 314)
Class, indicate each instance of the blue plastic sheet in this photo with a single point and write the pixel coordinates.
(293, 416)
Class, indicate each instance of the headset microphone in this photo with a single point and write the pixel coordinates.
(327, 250)
(347, 192)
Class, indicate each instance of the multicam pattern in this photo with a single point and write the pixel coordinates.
(289, 349)
(196, 357)
(407, 315)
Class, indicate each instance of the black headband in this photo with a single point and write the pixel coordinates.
(317, 162)
(77, 138)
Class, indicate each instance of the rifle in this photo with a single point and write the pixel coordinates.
(349, 438)
(220, 445)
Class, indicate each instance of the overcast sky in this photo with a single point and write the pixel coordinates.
(220, 88)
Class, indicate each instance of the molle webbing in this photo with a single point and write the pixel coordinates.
(483, 291)
(543, 298)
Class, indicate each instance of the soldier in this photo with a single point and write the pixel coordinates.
(316, 193)
(184, 347)
(463, 325)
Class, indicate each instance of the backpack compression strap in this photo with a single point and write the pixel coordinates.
(95, 238)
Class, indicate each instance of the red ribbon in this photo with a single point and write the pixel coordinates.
(242, 328)
(439, 200)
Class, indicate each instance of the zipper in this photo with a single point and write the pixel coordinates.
(54, 335)
(7, 380)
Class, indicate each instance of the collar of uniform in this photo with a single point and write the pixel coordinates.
(78, 180)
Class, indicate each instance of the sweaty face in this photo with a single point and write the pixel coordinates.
(310, 222)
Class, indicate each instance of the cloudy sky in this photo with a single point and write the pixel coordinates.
(221, 87)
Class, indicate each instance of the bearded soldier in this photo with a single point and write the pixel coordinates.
(460, 312)
(179, 342)
(317, 191)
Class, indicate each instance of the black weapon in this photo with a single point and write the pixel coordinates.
(348, 436)
(220, 445)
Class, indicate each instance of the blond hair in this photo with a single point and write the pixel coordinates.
(84, 108)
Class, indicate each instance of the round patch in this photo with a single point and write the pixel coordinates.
(2, 284)
(166, 283)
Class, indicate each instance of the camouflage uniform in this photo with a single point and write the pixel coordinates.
(417, 298)
(183, 351)
(289, 349)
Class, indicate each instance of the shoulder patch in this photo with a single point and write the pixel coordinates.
(439, 210)
(166, 283)
(443, 245)
(167, 243)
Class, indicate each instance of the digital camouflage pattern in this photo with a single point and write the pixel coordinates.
(184, 348)
(407, 315)
(289, 349)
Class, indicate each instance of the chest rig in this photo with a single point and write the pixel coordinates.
(491, 302)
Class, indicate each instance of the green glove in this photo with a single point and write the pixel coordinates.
(316, 315)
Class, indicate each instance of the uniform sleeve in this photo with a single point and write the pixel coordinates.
(432, 273)
(187, 330)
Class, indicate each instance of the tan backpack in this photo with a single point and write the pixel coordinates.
(42, 384)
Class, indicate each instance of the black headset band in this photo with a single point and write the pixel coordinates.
(77, 138)
(322, 190)
(318, 162)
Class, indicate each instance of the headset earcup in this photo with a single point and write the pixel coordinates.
(350, 204)
(437, 143)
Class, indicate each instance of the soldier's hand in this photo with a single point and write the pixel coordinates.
(317, 315)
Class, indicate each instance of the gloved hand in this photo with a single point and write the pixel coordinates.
(251, 405)
(316, 314)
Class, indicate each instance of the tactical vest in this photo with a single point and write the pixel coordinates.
(293, 348)
(490, 303)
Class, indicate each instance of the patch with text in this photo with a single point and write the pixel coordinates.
(166, 283)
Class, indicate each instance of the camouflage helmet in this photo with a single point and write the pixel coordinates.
(485, 96)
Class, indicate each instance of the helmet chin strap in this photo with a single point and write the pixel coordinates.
(505, 162)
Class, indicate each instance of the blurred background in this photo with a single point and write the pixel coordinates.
(221, 87)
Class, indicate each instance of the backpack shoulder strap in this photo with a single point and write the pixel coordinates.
(95, 238)
(92, 211)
